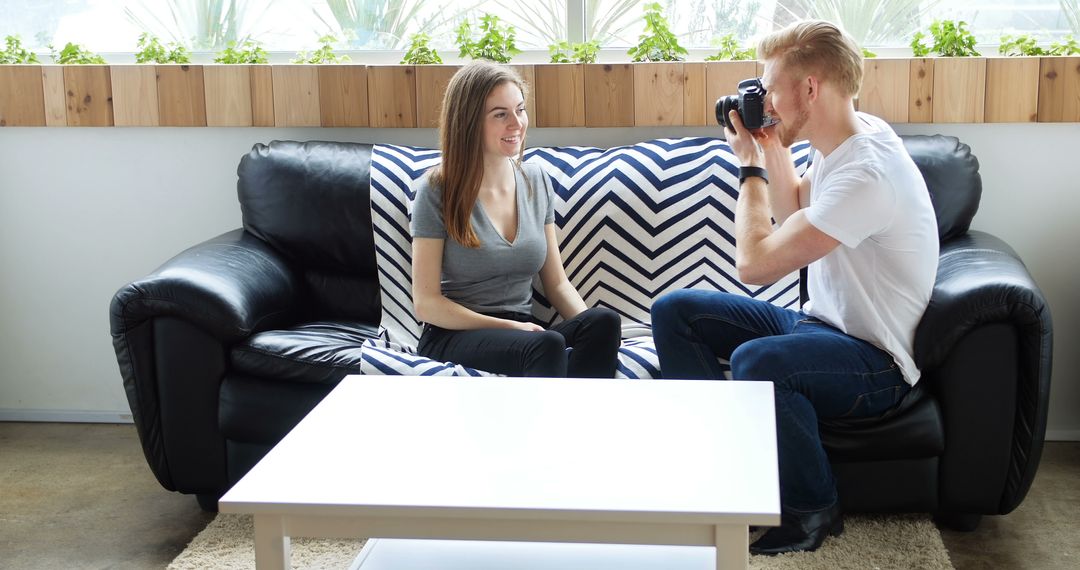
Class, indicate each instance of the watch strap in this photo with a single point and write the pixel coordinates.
(748, 171)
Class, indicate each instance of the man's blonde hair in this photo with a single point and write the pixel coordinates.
(819, 48)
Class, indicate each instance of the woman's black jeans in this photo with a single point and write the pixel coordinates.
(593, 337)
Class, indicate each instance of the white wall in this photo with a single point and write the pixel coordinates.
(85, 210)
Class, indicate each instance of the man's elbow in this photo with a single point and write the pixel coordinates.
(751, 274)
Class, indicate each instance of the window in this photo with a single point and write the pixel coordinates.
(290, 25)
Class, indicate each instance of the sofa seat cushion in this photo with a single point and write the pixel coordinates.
(914, 433)
(321, 352)
(637, 359)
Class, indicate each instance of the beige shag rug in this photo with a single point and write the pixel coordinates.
(868, 542)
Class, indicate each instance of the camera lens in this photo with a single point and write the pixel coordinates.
(725, 105)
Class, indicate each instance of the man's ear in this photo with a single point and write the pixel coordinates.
(811, 87)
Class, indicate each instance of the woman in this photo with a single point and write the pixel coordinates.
(483, 227)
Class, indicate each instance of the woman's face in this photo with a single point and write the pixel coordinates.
(505, 121)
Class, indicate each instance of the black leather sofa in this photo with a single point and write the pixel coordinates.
(225, 347)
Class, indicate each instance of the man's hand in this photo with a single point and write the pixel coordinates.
(528, 327)
(743, 142)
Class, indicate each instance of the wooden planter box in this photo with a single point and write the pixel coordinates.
(901, 90)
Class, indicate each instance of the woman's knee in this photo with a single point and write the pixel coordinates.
(606, 321)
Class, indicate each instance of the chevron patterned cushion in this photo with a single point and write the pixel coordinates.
(633, 222)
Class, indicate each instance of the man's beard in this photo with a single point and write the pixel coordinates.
(790, 130)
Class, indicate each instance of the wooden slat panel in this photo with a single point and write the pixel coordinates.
(695, 110)
(921, 91)
(560, 95)
(759, 69)
(722, 79)
(22, 101)
(1059, 90)
(228, 95)
(959, 89)
(181, 96)
(528, 75)
(609, 95)
(52, 85)
(135, 100)
(658, 94)
(1012, 90)
(89, 95)
(262, 96)
(343, 95)
(885, 89)
(296, 95)
(431, 82)
(392, 96)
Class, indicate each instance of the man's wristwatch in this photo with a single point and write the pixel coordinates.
(748, 171)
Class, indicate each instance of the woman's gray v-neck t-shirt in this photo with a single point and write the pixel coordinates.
(497, 276)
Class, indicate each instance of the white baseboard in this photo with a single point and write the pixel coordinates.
(66, 416)
(1063, 435)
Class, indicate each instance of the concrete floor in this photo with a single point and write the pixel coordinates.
(81, 496)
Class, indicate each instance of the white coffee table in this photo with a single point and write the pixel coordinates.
(632, 462)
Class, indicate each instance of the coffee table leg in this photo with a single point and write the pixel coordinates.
(272, 548)
(732, 547)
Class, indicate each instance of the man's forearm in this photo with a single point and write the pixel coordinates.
(783, 182)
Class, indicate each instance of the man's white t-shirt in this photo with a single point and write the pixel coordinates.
(869, 195)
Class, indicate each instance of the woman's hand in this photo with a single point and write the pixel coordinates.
(528, 327)
(744, 143)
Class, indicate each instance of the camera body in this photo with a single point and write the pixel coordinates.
(749, 103)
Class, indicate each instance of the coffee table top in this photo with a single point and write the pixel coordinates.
(601, 449)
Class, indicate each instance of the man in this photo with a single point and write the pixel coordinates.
(861, 218)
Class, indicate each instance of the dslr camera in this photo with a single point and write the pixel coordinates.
(749, 103)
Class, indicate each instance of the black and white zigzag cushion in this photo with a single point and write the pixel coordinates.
(633, 223)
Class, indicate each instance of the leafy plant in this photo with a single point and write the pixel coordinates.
(1068, 46)
(565, 52)
(658, 43)
(248, 52)
(869, 22)
(951, 39)
(13, 52)
(207, 24)
(74, 54)
(496, 42)
(1071, 10)
(419, 52)
(867, 53)
(730, 50)
(918, 48)
(1022, 44)
(151, 51)
(325, 53)
(384, 24)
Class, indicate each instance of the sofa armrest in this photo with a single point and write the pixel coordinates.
(984, 345)
(229, 286)
(171, 331)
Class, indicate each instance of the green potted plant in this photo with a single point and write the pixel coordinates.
(75, 54)
(959, 75)
(14, 53)
(248, 52)
(151, 51)
(566, 52)
(419, 52)
(496, 41)
(730, 50)
(325, 53)
(658, 43)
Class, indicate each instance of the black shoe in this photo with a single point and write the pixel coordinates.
(799, 531)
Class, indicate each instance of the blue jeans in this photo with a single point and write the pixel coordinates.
(817, 371)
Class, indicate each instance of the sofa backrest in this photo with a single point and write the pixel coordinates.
(633, 223)
(310, 202)
(952, 177)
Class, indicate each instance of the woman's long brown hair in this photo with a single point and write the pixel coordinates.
(462, 142)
